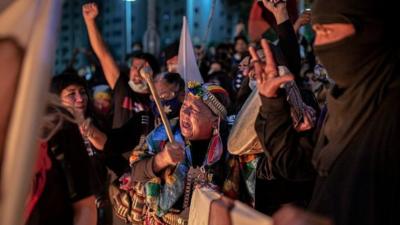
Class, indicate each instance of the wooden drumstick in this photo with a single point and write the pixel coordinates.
(147, 74)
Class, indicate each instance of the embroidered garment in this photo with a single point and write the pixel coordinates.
(162, 193)
(242, 170)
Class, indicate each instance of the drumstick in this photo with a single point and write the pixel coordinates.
(147, 73)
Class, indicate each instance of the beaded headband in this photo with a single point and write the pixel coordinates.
(205, 93)
(102, 95)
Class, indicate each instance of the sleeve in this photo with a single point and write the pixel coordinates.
(289, 151)
(121, 86)
(142, 170)
(76, 163)
(120, 92)
(117, 163)
(114, 161)
(125, 138)
(290, 47)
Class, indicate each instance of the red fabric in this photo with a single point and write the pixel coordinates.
(219, 90)
(257, 24)
(43, 164)
(260, 21)
(215, 150)
(132, 106)
(127, 103)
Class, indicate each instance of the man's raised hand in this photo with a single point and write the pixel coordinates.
(266, 73)
(90, 11)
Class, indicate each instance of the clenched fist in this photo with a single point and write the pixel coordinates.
(304, 18)
(171, 155)
(90, 11)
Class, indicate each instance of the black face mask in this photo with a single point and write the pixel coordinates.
(171, 107)
(348, 60)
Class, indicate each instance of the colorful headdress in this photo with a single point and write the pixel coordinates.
(102, 92)
(207, 93)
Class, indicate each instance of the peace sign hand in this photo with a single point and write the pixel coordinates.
(266, 73)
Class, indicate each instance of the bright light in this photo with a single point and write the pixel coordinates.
(129, 0)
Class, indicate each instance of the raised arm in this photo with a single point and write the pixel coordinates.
(290, 150)
(278, 10)
(287, 36)
(304, 18)
(125, 138)
(96, 137)
(110, 68)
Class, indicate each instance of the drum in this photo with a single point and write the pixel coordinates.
(243, 138)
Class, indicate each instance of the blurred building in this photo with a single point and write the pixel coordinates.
(71, 36)
(197, 12)
(169, 20)
(123, 23)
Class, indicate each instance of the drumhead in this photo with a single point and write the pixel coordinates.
(243, 137)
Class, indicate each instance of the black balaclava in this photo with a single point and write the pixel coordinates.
(363, 67)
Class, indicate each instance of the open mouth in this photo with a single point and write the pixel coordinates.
(186, 125)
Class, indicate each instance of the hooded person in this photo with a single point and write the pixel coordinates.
(357, 152)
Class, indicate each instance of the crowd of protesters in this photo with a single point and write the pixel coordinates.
(326, 127)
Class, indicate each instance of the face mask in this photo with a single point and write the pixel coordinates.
(171, 107)
(252, 84)
(336, 59)
(141, 88)
(237, 57)
(348, 60)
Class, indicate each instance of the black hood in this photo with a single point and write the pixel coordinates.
(363, 66)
